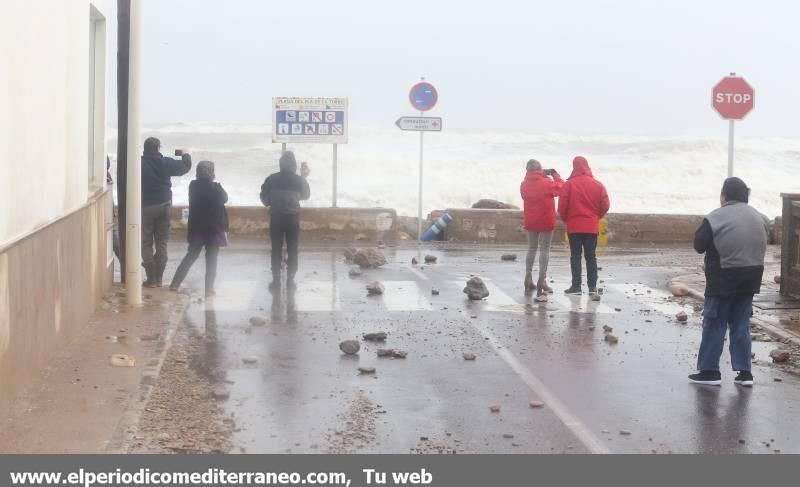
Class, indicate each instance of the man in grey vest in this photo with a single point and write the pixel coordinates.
(734, 239)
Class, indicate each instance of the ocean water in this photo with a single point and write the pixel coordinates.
(379, 166)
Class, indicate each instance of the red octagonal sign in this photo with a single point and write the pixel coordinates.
(733, 98)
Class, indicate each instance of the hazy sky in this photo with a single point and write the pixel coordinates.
(633, 66)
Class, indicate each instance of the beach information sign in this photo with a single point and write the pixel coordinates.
(309, 120)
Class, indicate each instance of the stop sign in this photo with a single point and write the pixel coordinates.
(733, 98)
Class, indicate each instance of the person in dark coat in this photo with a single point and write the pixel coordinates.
(734, 238)
(157, 174)
(282, 193)
(208, 225)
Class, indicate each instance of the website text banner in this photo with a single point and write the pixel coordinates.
(393, 470)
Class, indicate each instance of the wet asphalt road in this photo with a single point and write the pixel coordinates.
(304, 396)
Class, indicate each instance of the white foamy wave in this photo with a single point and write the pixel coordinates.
(379, 166)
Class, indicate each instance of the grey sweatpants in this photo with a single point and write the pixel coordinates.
(155, 230)
(539, 241)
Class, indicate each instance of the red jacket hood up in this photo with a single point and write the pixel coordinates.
(580, 167)
(583, 200)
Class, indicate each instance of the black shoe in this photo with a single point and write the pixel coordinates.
(707, 377)
(744, 378)
(573, 290)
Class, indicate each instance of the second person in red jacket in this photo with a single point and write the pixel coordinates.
(581, 205)
(538, 193)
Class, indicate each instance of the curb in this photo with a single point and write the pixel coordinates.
(773, 330)
(129, 422)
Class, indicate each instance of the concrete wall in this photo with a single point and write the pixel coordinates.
(505, 226)
(50, 283)
(343, 224)
(45, 59)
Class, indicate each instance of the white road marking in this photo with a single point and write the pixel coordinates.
(419, 273)
(405, 296)
(655, 299)
(593, 443)
(317, 296)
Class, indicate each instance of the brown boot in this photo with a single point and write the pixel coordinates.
(529, 286)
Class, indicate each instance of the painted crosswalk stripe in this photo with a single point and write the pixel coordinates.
(317, 296)
(405, 296)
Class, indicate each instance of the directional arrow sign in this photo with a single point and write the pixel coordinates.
(420, 124)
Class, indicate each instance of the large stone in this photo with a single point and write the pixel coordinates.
(780, 355)
(679, 289)
(349, 253)
(508, 257)
(476, 289)
(489, 204)
(682, 316)
(375, 289)
(350, 347)
(369, 258)
(430, 259)
(379, 336)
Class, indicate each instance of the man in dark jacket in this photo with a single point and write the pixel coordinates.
(583, 201)
(157, 173)
(734, 239)
(282, 193)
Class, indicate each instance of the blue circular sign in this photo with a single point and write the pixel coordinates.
(423, 96)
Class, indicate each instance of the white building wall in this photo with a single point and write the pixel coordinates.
(44, 111)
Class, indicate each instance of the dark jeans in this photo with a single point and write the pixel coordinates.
(718, 314)
(212, 251)
(155, 229)
(283, 226)
(586, 244)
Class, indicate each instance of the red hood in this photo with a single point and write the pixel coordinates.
(580, 167)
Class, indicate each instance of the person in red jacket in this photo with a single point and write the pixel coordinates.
(582, 203)
(538, 193)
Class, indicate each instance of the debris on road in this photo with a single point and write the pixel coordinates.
(508, 436)
(414, 261)
(434, 292)
(607, 329)
(399, 354)
(391, 352)
(250, 360)
(624, 432)
(349, 254)
(354, 271)
(430, 259)
(220, 393)
(537, 404)
(379, 336)
(366, 370)
(257, 321)
(495, 408)
(595, 296)
(682, 316)
(777, 279)
(679, 289)
(350, 347)
(476, 289)
(122, 360)
(611, 339)
(508, 257)
(780, 355)
(375, 289)
(369, 258)
(469, 356)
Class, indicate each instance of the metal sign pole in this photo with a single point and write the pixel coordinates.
(419, 210)
(335, 172)
(730, 148)
(283, 148)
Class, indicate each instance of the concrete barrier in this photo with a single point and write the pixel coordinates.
(342, 224)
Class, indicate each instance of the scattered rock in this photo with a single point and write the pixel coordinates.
(537, 404)
(375, 289)
(777, 379)
(617, 309)
(624, 432)
(489, 204)
(612, 339)
(469, 356)
(122, 360)
(414, 261)
(476, 289)
(385, 352)
(495, 408)
(360, 237)
(350, 347)
(508, 257)
(780, 355)
(399, 354)
(508, 436)
(777, 279)
(434, 292)
(679, 289)
(379, 336)
(595, 297)
(354, 271)
(250, 360)
(682, 316)
(369, 258)
(349, 254)
(607, 329)
(366, 370)
(257, 321)
(220, 393)
(430, 259)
